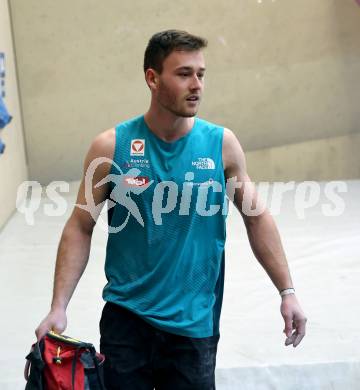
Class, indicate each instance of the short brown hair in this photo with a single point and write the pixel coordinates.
(163, 43)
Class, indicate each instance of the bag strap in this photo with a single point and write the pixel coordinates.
(96, 363)
(34, 367)
(34, 357)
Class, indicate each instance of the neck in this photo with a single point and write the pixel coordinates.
(166, 125)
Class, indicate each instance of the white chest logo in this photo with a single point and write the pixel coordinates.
(203, 163)
(137, 147)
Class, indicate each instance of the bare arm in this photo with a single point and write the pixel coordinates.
(74, 247)
(263, 235)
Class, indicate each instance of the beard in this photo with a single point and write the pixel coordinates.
(176, 105)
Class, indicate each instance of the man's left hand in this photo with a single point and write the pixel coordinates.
(295, 320)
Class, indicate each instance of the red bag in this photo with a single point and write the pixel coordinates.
(59, 362)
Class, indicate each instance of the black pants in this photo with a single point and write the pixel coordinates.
(141, 357)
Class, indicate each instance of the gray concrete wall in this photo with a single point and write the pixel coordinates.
(13, 168)
(279, 73)
(321, 159)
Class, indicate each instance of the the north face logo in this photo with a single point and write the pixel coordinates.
(137, 147)
(204, 163)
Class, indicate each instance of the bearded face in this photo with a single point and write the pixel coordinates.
(181, 83)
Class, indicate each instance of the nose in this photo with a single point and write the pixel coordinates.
(196, 83)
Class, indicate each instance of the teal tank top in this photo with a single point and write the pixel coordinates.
(165, 249)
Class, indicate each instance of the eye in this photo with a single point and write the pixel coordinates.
(183, 74)
(200, 76)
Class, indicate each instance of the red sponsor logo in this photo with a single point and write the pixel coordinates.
(138, 181)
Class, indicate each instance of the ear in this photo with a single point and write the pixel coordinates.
(152, 78)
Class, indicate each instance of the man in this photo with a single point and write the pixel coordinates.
(165, 251)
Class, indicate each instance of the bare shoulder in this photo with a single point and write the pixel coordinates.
(233, 154)
(103, 144)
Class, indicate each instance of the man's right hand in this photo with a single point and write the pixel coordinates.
(56, 321)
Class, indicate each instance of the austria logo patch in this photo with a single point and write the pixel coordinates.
(137, 147)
